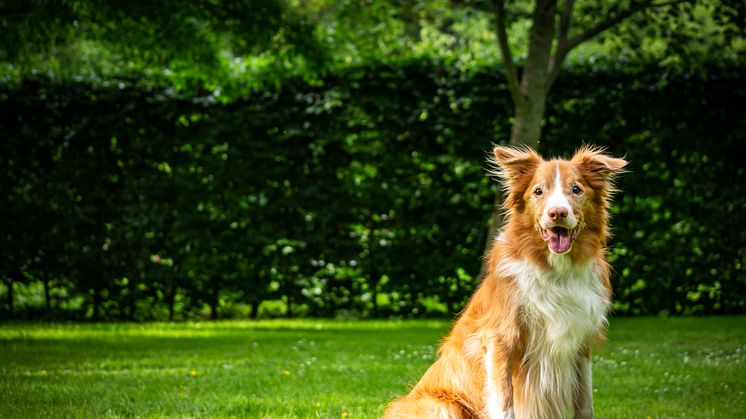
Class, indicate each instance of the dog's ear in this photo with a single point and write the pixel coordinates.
(516, 168)
(597, 168)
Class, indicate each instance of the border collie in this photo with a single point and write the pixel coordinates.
(522, 346)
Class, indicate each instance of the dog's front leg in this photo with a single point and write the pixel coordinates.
(583, 398)
(499, 386)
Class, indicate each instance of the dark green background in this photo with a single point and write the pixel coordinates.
(363, 194)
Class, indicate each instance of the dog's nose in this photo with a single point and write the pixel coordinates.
(557, 213)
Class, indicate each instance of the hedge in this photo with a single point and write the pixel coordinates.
(364, 195)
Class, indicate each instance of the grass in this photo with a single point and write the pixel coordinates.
(682, 367)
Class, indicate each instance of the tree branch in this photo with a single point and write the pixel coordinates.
(565, 20)
(615, 20)
(511, 74)
(565, 44)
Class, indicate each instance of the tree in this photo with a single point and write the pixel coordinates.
(548, 47)
(555, 32)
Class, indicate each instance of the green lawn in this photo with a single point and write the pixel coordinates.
(684, 367)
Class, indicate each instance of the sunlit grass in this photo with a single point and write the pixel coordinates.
(319, 368)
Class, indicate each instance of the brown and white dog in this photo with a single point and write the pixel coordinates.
(522, 346)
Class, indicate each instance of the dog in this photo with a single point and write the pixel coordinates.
(522, 346)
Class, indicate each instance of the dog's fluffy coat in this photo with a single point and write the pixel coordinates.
(522, 346)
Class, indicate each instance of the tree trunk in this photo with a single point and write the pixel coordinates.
(540, 71)
(535, 80)
(254, 310)
(530, 98)
(526, 132)
(528, 121)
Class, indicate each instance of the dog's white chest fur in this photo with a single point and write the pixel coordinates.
(562, 308)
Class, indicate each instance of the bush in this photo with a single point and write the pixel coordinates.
(370, 188)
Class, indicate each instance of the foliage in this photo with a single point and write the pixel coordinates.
(189, 45)
(231, 47)
(650, 367)
(667, 252)
(363, 196)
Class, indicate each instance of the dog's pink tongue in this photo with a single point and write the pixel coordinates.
(559, 239)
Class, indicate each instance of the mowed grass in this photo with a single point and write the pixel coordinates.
(650, 367)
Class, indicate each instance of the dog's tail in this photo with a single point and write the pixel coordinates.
(429, 406)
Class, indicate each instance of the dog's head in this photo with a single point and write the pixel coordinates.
(562, 201)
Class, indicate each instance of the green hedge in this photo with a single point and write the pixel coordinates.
(364, 196)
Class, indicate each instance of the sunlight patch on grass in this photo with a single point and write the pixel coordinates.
(197, 329)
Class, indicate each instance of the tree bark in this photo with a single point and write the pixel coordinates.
(254, 310)
(541, 69)
(528, 94)
(542, 66)
(534, 82)
(529, 98)
(528, 121)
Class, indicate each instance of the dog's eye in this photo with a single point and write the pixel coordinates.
(577, 190)
(538, 192)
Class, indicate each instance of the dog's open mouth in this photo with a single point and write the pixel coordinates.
(559, 239)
